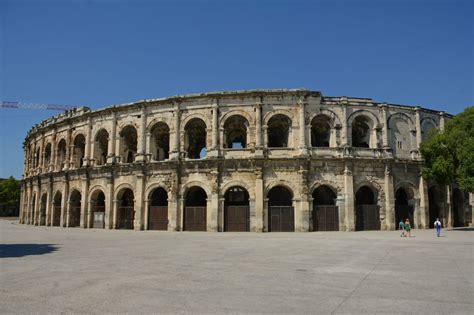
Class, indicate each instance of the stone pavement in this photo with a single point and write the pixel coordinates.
(55, 270)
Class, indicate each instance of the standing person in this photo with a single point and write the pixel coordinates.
(401, 226)
(408, 227)
(437, 225)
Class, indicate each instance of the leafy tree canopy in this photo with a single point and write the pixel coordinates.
(449, 155)
(10, 192)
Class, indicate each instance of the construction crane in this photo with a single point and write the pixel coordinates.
(19, 105)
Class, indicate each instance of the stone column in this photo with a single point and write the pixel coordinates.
(220, 215)
(424, 214)
(418, 127)
(389, 200)
(146, 211)
(115, 206)
(441, 121)
(257, 225)
(449, 207)
(87, 153)
(349, 197)
(49, 205)
(344, 135)
(383, 111)
(84, 202)
(302, 132)
(138, 204)
(148, 154)
(181, 214)
(141, 146)
(109, 203)
(111, 144)
(52, 161)
(258, 126)
(173, 207)
(213, 210)
(214, 152)
(174, 154)
(265, 136)
(65, 203)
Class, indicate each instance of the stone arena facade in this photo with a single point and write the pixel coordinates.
(260, 161)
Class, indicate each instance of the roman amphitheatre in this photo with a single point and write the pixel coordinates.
(257, 161)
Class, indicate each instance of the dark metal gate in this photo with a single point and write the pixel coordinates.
(57, 215)
(158, 218)
(325, 218)
(75, 216)
(195, 219)
(126, 215)
(402, 212)
(237, 219)
(367, 217)
(98, 219)
(281, 219)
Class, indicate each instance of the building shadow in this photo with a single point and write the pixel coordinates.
(20, 250)
(462, 229)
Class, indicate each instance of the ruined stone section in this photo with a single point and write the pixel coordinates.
(258, 161)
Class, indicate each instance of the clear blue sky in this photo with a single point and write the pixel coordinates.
(97, 53)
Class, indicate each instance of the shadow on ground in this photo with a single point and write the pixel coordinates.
(20, 250)
(469, 228)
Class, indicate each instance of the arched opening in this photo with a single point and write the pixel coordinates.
(37, 157)
(125, 210)
(195, 210)
(47, 155)
(279, 131)
(75, 209)
(320, 131)
(79, 150)
(160, 142)
(433, 205)
(280, 210)
(128, 141)
(42, 212)
(32, 210)
(236, 210)
(325, 211)
(235, 132)
(458, 208)
(403, 210)
(62, 154)
(101, 147)
(158, 210)
(367, 210)
(195, 139)
(361, 132)
(97, 209)
(57, 209)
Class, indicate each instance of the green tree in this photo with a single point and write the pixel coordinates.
(10, 192)
(449, 154)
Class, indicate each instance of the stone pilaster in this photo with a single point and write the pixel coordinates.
(112, 144)
(87, 153)
(258, 128)
(418, 127)
(109, 204)
(302, 127)
(139, 204)
(214, 152)
(344, 133)
(258, 223)
(141, 145)
(423, 210)
(174, 154)
(383, 112)
(349, 212)
(84, 201)
(389, 199)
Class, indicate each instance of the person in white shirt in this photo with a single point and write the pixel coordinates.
(437, 225)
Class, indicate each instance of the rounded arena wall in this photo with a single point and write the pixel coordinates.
(259, 161)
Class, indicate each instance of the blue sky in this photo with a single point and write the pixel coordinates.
(98, 53)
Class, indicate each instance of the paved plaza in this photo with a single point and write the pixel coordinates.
(51, 270)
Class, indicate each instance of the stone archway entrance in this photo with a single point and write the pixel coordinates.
(195, 210)
(325, 211)
(98, 210)
(125, 211)
(236, 210)
(42, 212)
(57, 209)
(75, 209)
(367, 210)
(158, 210)
(281, 214)
(403, 210)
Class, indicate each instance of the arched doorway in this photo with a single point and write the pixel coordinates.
(325, 212)
(195, 210)
(75, 209)
(79, 150)
(236, 210)
(458, 208)
(125, 211)
(433, 205)
(403, 209)
(158, 210)
(57, 209)
(279, 128)
(281, 216)
(367, 210)
(320, 131)
(235, 132)
(101, 147)
(361, 133)
(42, 212)
(97, 209)
(160, 142)
(32, 210)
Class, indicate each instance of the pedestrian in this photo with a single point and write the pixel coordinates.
(408, 227)
(437, 225)
(401, 226)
